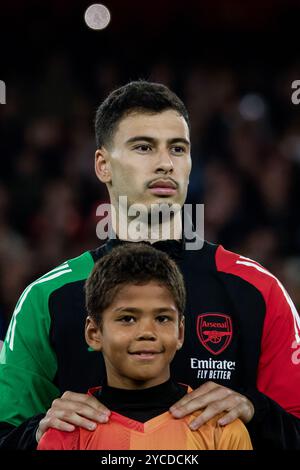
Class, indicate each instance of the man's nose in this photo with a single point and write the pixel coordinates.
(164, 162)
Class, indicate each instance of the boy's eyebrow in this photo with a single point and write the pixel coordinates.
(153, 141)
(138, 310)
(128, 309)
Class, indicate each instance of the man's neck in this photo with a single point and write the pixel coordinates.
(136, 228)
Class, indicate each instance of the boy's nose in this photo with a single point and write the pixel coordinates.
(146, 331)
(146, 336)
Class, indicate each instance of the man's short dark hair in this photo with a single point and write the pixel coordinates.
(131, 263)
(142, 96)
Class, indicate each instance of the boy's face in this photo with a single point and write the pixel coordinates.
(139, 336)
(149, 161)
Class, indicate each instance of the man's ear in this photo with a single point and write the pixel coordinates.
(180, 333)
(102, 165)
(93, 334)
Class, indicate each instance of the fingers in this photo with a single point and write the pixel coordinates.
(202, 390)
(85, 399)
(214, 399)
(52, 422)
(237, 406)
(244, 410)
(64, 408)
(64, 421)
(85, 405)
(73, 409)
(197, 402)
(74, 418)
(211, 411)
(229, 417)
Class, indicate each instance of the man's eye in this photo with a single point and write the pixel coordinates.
(142, 148)
(178, 150)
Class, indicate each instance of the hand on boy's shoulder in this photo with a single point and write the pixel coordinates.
(213, 399)
(73, 409)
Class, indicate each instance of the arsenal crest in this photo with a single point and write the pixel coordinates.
(214, 331)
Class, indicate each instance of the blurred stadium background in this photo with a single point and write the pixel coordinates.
(232, 63)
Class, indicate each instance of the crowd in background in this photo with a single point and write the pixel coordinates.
(246, 166)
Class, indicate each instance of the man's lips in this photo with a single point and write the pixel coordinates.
(163, 187)
(163, 184)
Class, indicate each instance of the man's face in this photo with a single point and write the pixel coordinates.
(139, 335)
(149, 159)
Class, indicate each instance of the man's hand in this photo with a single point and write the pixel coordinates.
(73, 409)
(213, 399)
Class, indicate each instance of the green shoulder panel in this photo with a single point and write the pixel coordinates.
(27, 361)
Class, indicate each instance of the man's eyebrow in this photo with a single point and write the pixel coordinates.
(138, 138)
(176, 140)
(152, 140)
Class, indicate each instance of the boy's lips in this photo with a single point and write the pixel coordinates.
(145, 353)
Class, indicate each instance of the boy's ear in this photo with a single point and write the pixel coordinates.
(180, 333)
(93, 334)
(102, 165)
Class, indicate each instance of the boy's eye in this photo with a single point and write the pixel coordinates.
(163, 318)
(127, 319)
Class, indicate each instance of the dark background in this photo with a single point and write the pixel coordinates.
(233, 65)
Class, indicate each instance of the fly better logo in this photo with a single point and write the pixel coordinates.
(2, 92)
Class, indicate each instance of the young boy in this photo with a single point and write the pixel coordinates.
(135, 298)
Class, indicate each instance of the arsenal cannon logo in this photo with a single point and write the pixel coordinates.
(214, 331)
